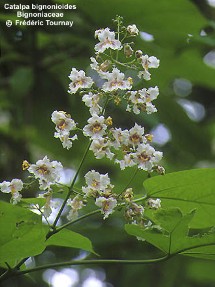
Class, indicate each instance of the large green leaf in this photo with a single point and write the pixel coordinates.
(171, 234)
(187, 190)
(68, 238)
(31, 202)
(22, 233)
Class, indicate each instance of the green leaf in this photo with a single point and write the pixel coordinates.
(33, 201)
(187, 190)
(22, 233)
(172, 234)
(68, 238)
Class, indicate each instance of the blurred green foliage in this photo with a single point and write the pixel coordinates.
(35, 64)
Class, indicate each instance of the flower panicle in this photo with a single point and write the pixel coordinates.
(116, 68)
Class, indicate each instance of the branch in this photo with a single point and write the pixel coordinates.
(71, 186)
(94, 261)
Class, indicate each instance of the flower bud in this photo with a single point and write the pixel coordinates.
(25, 165)
(109, 121)
(149, 137)
(138, 54)
(117, 100)
(128, 51)
(105, 66)
(128, 194)
(160, 170)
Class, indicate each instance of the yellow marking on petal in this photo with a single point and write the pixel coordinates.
(135, 138)
(95, 183)
(43, 169)
(143, 157)
(96, 128)
(62, 124)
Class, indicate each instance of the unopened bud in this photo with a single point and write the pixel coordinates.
(117, 100)
(160, 169)
(105, 66)
(107, 193)
(149, 137)
(25, 165)
(130, 80)
(138, 53)
(109, 121)
(128, 194)
(128, 51)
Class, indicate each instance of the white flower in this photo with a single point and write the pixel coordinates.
(92, 101)
(64, 124)
(101, 148)
(107, 205)
(96, 180)
(136, 135)
(147, 96)
(76, 204)
(146, 157)
(150, 62)
(16, 197)
(106, 40)
(79, 80)
(147, 63)
(97, 184)
(116, 81)
(132, 29)
(46, 171)
(102, 68)
(141, 100)
(95, 64)
(12, 187)
(135, 102)
(63, 121)
(145, 75)
(152, 94)
(66, 139)
(96, 127)
(120, 137)
(127, 161)
(154, 203)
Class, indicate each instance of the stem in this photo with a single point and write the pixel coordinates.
(87, 215)
(117, 52)
(71, 186)
(78, 219)
(94, 261)
(130, 181)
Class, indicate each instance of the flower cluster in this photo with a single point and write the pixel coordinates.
(110, 81)
(126, 147)
(100, 188)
